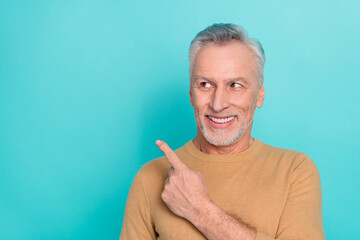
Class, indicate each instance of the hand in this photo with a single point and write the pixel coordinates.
(185, 192)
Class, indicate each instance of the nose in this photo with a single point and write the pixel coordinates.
(219, 100)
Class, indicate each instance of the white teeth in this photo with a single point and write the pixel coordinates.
(221, 120)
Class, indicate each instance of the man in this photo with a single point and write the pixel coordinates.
(225, 184)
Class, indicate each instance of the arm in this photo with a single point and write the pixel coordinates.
(302, 214)
(215, 224)
(185, 194)
(137, 224)
(301, 218)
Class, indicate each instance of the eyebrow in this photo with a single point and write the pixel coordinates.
(204, 78)
(240, 79)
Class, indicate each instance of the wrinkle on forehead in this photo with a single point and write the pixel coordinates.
(225, 80)
(225, 62)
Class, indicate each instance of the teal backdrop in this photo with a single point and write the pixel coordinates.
(86, 87)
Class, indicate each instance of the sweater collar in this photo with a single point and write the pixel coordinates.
(241, 156)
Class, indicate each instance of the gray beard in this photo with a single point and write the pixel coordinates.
(217, 140)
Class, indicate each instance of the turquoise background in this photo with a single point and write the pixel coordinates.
(86, 87)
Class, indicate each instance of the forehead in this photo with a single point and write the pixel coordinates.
(225, 61)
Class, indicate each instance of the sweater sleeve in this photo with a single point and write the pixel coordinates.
(301, 218)
(137, 224)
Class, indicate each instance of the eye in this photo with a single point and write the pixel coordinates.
(205, 84)
(235, 85)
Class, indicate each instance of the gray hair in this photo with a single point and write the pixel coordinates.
(220, 33)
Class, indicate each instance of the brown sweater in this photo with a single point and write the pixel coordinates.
(274, 190)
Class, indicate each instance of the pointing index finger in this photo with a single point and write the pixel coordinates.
(170, 155)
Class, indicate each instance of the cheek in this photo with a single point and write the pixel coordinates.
(200, 102)
(244, 107)
(245, 102)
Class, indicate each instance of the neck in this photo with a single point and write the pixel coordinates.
(204, 146)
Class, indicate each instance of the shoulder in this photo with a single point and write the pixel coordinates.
(295, 160)
(278, 152)
(294, 168)
(154, 168)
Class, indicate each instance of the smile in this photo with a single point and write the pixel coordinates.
(221, 120)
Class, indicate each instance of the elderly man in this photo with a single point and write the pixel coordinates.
(224, 184)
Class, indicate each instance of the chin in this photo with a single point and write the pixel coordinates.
(218, 139)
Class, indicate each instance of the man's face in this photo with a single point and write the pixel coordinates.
(225, 92)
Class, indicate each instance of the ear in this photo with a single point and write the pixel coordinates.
(261, 95)
(191, 98)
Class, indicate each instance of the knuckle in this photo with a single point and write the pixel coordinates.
(167, 186)
(163, 196)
